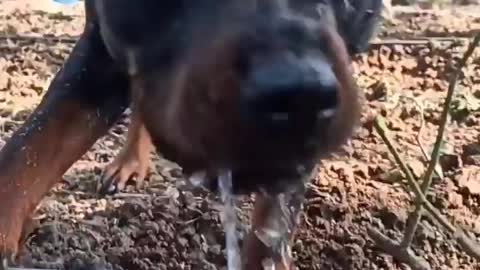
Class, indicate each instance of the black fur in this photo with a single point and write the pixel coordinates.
(357, 21)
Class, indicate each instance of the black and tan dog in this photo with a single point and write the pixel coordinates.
(255, 86)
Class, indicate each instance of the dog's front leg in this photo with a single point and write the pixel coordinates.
(85, 98)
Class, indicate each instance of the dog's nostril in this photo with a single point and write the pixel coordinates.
(299, 98)
(280, 96)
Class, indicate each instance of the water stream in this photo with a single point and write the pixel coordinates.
(229, 220)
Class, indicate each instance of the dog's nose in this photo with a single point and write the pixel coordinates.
(289, 93)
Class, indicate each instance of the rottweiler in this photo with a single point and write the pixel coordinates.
(263, 88)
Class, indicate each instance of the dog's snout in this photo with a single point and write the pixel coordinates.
(286, 93)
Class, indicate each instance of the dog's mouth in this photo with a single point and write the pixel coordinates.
(269, 181)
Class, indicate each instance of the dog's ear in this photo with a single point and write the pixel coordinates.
(357, 21)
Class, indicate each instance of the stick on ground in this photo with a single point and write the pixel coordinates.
(402, 251)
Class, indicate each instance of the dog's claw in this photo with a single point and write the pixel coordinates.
(106, 185)
(119, 172)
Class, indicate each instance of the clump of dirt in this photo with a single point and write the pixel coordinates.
(168, 225)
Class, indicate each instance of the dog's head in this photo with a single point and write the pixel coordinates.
(260, 87)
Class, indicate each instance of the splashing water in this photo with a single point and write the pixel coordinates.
(281, 219)
(229, 219)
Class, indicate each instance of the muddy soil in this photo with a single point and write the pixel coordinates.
(167, 225)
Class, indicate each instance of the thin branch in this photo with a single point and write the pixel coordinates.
(417, 214)
(392, 247)
(417, 41)
(20, 268)
(381, 129)
(122, 195)
(469, 246)
(399, 251)
(420, 41)
(39, 38)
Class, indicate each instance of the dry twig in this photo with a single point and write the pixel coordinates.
(18, 268)
(402, 251)
(39, 38)
(404, 255)
(417, 41)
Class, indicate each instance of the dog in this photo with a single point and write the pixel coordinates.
(263, 88)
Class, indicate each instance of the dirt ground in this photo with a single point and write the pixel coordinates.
(166, 225)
